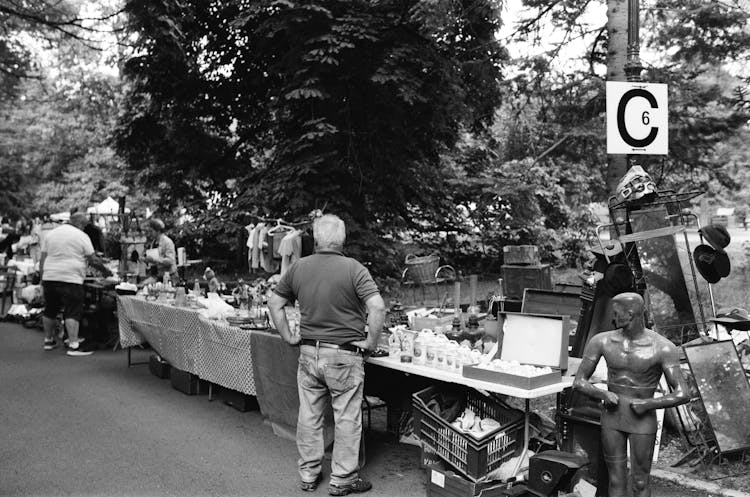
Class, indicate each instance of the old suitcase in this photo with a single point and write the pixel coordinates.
(517, 278)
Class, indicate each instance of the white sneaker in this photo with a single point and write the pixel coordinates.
(50, 344)
(75, 350)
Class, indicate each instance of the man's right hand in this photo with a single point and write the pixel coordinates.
(365, 345)
(610, 399)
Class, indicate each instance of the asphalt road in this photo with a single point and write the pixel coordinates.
(91, 426)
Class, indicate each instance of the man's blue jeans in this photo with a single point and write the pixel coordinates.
(338, 376)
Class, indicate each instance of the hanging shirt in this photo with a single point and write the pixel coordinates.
(266, 256)
(255, 245)
(308, 244)
(290, 249)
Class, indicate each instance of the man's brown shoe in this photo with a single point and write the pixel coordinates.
(358, 486)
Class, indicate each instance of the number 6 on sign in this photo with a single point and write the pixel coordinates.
(637, 118)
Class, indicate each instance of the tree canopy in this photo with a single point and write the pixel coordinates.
(301, 105)
(416, 120)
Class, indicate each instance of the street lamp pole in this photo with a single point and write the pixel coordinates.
(633, 66)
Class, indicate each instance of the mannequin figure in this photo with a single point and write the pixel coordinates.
(636, 357)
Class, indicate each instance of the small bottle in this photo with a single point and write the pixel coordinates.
(197, 288)
(420, 344)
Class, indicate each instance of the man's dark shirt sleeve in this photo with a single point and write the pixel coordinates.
(284, 288)
(364, 284)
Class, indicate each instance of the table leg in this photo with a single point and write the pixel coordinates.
(130, 361)
(526, 422)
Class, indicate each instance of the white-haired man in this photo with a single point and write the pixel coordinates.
(342, 314)
(66, 251)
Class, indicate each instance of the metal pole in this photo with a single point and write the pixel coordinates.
(633, 66)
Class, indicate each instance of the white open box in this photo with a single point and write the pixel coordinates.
(536, 339)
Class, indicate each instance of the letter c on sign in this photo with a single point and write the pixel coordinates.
(626, 98)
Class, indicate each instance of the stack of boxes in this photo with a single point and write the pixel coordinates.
(522, 269)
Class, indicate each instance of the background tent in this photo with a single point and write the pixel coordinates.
(106, 206)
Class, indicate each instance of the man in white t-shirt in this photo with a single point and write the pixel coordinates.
(66, 252)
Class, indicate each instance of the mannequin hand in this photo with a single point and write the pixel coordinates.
(639, 406)
(611, 399)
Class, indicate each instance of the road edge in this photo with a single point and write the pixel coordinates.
(695, 484)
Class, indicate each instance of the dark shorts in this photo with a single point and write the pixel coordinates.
(67, 297)
(623, 418)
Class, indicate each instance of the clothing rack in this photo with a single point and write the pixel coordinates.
(281, 222)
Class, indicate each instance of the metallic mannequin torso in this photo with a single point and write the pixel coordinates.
(636, 358)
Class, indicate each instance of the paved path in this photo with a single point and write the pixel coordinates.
(90, 426)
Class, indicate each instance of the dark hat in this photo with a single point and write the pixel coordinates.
(716, 235)
(712, 265)
(618, 278)
(733, 318)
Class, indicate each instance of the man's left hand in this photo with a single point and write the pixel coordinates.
(294, 339)
(639, 406)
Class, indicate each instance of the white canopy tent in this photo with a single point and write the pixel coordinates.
(61, 216)
(106, 206)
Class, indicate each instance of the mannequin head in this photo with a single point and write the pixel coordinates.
(627, 310)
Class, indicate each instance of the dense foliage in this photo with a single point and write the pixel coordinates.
(409, 119)
(293, 106)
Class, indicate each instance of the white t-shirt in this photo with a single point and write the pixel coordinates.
(66, 247)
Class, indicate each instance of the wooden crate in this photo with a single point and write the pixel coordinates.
(521, 254)
(518, 278)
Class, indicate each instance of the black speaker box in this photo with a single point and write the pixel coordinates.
(553, 471)
(581, 435)
(187, 383)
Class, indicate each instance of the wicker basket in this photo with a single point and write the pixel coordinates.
(422, 269)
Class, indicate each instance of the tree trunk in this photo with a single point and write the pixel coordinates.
(617, 32)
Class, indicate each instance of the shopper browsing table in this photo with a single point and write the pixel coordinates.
(166, 260)
(342, 314)
(66, 251)
(636, 359)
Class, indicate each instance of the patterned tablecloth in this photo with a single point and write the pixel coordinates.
(213, 350)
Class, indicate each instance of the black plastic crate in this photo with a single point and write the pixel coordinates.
(473, 458)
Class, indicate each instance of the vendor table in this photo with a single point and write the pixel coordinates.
(212, 350)
(235, 358)
(487, 386)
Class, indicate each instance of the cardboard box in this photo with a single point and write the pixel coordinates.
(442, 483)
(537, 339)
(526, 382)
(426, 322)
(187, 383)
(158, 366)
(239, 400)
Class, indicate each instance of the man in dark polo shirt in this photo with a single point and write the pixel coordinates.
(341, 316)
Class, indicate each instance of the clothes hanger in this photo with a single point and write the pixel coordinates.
(280, 226)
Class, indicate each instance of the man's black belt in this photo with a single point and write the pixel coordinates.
(326, 345)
